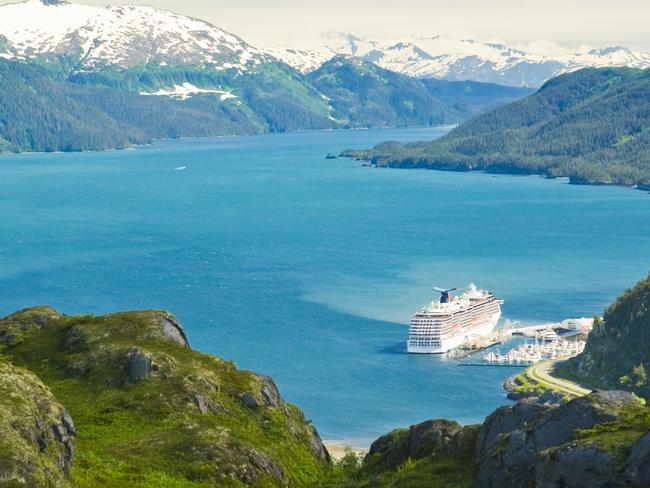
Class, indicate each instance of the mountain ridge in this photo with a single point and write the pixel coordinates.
(128, 35)
(120, 37)
(470, 59)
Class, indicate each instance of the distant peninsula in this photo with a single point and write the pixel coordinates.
(592, 126)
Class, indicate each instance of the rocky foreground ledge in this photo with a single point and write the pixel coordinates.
(600, 440)
(122, 400)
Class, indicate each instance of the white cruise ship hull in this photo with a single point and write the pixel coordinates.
(457, 340)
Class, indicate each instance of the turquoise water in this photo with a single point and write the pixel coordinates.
(307, 269)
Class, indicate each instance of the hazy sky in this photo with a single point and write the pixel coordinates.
(301, 23)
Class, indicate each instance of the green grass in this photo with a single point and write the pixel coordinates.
(617, 437)
(151, 433)
(436, 469)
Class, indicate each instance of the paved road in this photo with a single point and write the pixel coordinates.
(542, 372)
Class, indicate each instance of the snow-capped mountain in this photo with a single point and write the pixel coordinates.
(93, 38)
(118, 36)
(469, 59)
(302, 61)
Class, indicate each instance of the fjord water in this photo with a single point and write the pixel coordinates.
(307, 269)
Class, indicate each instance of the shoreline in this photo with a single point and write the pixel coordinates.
(569, 179)
(339, 448)
(152, 142)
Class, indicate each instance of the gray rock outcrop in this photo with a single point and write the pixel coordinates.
(138, 365)
(270, 392)
(637, 468)
(576, 466)
(433, 437)
(533, 444)
(172, 330)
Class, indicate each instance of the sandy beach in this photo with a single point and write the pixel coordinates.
(337, 449)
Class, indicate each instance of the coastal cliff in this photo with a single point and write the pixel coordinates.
(145, 408)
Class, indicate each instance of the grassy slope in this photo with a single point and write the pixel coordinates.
(150, 432)
(591, 126)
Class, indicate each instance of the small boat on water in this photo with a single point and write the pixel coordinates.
(549, 335)
(180, 168)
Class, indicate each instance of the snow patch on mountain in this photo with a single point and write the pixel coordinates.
(187, 90)
(302, 61)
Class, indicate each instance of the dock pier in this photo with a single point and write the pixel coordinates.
(473, 345)
(566, 329)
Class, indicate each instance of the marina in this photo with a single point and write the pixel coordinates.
(527, 354)
(550, 341)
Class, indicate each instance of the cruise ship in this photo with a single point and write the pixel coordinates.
(445, 324)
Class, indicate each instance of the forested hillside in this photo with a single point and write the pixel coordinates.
(42, 110)
(50, 107)
(617, 353)
(592, 126)
(364, 95)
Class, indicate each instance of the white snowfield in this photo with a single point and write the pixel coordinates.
(302, 61)
(187, 90)
(120, 36)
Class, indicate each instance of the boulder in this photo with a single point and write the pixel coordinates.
(249, 400)
(138, 365)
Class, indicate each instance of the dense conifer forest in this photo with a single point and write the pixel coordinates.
(592, 126)
(50, 107)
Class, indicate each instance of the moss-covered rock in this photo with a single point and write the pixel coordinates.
(151, 411)
(35, 432)
(16, 325)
